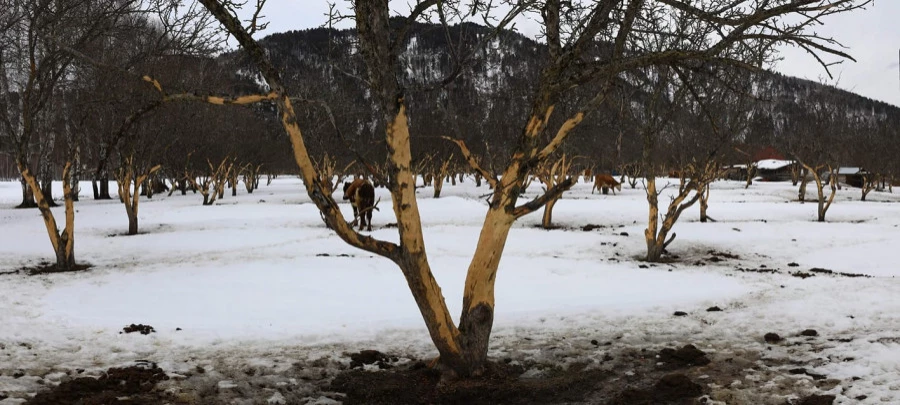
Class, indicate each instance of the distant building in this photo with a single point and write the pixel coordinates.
(734, 172)
(851, 176)
(774, 169)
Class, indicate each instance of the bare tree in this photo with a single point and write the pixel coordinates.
(817, 134)
(129, 178)
(33, 70)
(440, 173)
(586, 43)
(550, 174)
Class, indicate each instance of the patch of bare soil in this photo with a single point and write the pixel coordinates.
(670, 389)
(364, 357)
(818, 400)
(140, 328)
(586, 373)
(130, 385)
(837, 273)
(716, 256)
(504, 383)
(501, 384)
(759, 270)
(820, 271)
(46, 267)
(687, 356)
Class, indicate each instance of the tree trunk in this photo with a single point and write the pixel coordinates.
(823, 205)
(477, 317)
(101, 174)
(103, 192)
(76, 174)
(751, 173)
(795, 173)
(655, 235)
(547, 220)
(704, 203)
(654, 251)
(46, 184)
(867, 186)
(833, 182)
(63, 242)
(804, 180)
(821, 197)
(27, 195)
(438, 185)
(132, 219)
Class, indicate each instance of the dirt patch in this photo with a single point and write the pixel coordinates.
(140, 328)
(48, 268)
(802, 275)
(772, 338)
(501, 383)
(716, 256)
(837, 273)
(364, 357)
(809, 333)
(761, 270)
(671, 388)
(686, 356)
(817, 400)
(803, 371)
(129, 385)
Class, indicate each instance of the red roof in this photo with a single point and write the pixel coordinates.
(767, 152)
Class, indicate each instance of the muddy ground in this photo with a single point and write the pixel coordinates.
(576, 371)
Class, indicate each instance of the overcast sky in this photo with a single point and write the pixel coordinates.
(872, 36)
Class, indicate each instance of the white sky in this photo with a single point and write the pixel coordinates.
(872, 37)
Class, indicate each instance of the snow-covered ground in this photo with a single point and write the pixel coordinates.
(258, 280)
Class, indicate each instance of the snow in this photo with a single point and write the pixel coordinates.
(772, 164)
(257, 279)
(848, 170)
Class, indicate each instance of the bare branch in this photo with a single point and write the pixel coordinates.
(541, 200)
(473, 162)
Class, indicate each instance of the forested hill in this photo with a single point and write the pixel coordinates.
(492, 95)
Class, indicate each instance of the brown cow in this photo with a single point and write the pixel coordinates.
(602, 181)
(361, 194)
